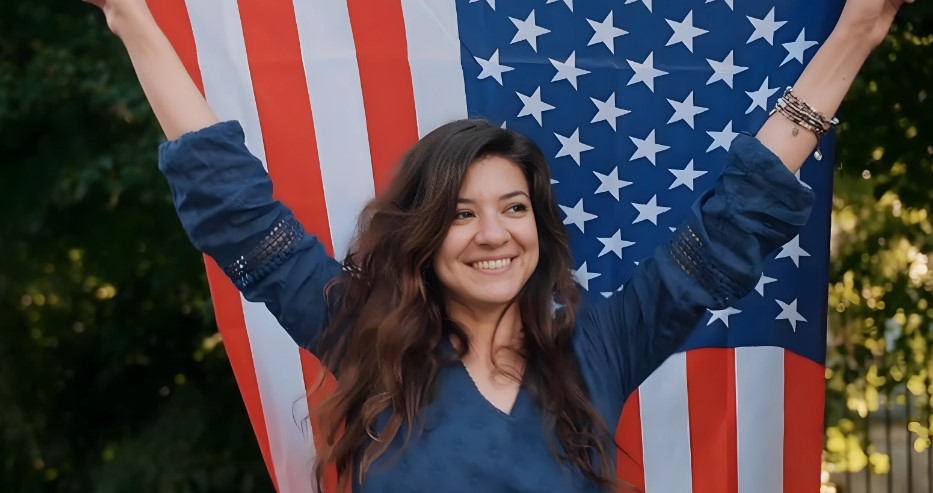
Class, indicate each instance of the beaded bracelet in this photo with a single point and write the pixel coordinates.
(804, 115)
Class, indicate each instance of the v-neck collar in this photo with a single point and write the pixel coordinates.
(469, 383)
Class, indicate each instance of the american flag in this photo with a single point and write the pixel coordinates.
(634, 102)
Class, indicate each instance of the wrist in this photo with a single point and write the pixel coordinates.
(860, 36)
(132, 24)
(852, 41)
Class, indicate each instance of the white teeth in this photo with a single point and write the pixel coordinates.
(492, 264)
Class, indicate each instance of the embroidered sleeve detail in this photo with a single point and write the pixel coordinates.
(689, 251)
(275, 247)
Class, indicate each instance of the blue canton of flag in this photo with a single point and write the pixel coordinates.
(636, 106)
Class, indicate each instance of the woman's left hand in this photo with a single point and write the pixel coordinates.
(871, 18)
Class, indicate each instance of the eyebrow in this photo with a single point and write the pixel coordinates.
(464, 200)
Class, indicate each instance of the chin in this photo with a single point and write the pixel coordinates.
(495, 300)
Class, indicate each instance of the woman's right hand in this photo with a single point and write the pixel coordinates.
(120, 12)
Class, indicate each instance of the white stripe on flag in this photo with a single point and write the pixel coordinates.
(228, 88)
(222, 56)
(665, 424)
(434, 57)
(759, 388)
(333, 78)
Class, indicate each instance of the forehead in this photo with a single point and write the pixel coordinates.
(493, 175)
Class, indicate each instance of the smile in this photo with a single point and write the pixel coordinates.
(492, 266)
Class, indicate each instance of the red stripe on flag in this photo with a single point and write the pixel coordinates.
(630, 461)
(172, 17)
(282, 102)
(385, 77)
(712, 408)
(285, 115)
(804, 393)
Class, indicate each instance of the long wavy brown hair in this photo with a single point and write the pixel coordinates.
(389, 322)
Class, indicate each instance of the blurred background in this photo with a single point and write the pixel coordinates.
(113, 377)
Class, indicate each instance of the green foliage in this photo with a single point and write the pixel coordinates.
(111, 378)
(881, 289)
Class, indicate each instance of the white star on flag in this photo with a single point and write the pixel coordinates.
(728, 2)
(576, 215)
(645, 72)
(492, 3)
(649, 211)
(605, 32)
(765, 28)
(685, 110)
(568, 3)
(685, 176)
(646, 2)
(722, 139)
(615, 244)
(762, 282)
(796, 48)
(568, 70)
(608, 294)
(800, 180)
(492, 67)
(610, 183)
(684, 32)
(583, 276)
(760, 97)
(528, 31)
(571, 146)
(792, 250)
(606, 111)
(724, 70)
(647, 148)
(532, 105)
(722, 315)
(789, 312)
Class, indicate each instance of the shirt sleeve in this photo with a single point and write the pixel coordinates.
(223, 196)
(714, 258)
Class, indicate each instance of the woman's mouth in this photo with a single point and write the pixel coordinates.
(492, 266)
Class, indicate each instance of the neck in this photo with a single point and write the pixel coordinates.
(487, 328)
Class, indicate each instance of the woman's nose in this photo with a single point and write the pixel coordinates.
(493, 232)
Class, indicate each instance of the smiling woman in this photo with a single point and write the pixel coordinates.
(461, 259)
(488, 255)
(455, 370)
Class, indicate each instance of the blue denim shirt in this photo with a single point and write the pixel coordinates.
(224, 200)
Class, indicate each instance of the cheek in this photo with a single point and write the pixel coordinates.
(448, 253)
(529, 237)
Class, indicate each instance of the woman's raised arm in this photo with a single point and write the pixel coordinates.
(222, 193)
(177, 103)
(828, 76)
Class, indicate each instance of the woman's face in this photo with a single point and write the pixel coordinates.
(491, 248)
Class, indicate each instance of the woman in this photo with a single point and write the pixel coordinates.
(455, 371)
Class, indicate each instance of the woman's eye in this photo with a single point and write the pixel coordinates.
(463, 215)
(518, 208)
